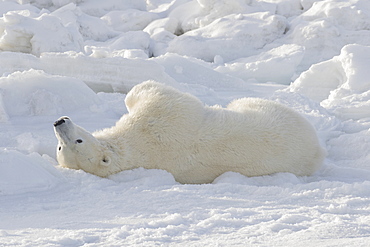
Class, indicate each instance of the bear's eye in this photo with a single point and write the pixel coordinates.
(78, 141)
(59, 148)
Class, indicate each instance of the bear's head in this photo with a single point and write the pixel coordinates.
(79, 149)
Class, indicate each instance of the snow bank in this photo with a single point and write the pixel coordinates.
(22, 173)
(33, 92)
(340, 84)
(111, 74)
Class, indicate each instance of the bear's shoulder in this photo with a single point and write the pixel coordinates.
(152, 97)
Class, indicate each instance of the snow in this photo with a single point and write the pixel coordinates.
(80, 58)
(231, 37)
(43, 94)
(345, 90)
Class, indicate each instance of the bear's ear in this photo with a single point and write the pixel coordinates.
(105, 161)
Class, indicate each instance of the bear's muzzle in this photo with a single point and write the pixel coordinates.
(60, 121)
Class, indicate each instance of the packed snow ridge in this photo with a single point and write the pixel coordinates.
(80, 58)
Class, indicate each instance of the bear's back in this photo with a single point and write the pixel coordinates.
(163, 113)
(267, 135)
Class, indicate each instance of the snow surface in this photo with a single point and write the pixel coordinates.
(80, 58)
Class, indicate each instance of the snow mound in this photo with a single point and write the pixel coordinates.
(33, 92)
(344, 87)
(231, 37)
(30, 32)
(275, 65)
(22, 173)
(327, 26)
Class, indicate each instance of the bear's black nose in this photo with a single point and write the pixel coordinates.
(60, 121)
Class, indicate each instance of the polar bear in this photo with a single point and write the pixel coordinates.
(170, 130)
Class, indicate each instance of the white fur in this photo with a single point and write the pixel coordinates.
(167, 129)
